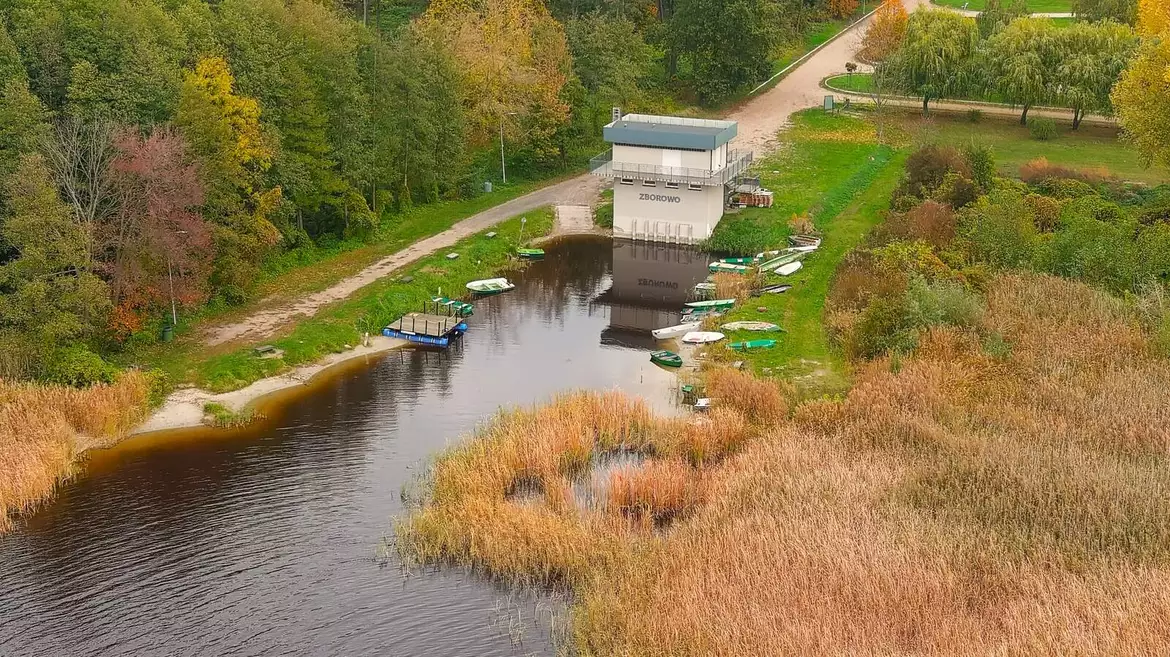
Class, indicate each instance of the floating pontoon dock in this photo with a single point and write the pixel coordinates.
(426, 329)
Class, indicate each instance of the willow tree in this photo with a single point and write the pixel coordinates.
(935, 58)
(1092, 57)
(1021, 61)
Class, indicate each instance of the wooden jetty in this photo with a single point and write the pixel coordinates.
(427, 329)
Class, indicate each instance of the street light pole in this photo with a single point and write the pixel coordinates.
(503, 168)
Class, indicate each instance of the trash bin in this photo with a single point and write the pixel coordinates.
(487, 187)
(168, 333)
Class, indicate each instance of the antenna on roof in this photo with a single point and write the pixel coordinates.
(617, 114)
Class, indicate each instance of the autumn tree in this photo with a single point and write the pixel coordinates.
(842, 8)
(934, 60)
(886, 30)
(1142, 94)
(514, 59)
(727, 43)
(1021, 62)
(224, 132)
(158, 244)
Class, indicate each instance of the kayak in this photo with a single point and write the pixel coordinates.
(713, 303)
(666, 358)
(490, 286)
(531, 254)
(789, 269)
(750, 326)
(675, 331)
(729, 268)
(702, 337)
(783, 259)
(752, 344)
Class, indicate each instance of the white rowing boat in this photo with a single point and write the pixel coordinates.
(789, 269)
(674, 331)
(702, 337)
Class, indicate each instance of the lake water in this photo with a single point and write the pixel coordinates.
(264, 541)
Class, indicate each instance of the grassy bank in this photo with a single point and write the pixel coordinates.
(341, 325)
(1034, 6)
(43, 430)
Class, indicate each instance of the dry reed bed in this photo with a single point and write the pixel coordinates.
(957, 504)
(43, 429)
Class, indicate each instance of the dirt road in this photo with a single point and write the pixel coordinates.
(582, 190)
(759, 120)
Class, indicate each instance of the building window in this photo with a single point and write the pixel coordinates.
(649, 183)
(695, 187)
(627, 181)
(671, 185)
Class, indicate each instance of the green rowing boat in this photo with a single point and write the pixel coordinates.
(666, 358)
(737, 261)
(752, 344)
(531, 254)
(716, 267)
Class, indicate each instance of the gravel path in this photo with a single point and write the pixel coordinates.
(759, 120)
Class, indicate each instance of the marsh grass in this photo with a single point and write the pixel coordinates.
(43, 429)
(958, 503)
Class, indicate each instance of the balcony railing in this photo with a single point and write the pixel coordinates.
(737, 162)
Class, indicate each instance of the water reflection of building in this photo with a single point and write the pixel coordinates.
(651, 282)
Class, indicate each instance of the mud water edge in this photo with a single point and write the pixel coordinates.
(263, 541)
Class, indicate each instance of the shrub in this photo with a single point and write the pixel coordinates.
(1040, 169)
(927, 168)
(956, 190)
(78, 367)
(974, 115)
(858, 280)
(930, 221)
(912, 258)
(942, 303)
(1000, 229)
(981, 159)
(884, 326)
(1046, 211)
(1043, 128)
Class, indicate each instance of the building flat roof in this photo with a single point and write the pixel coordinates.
(670, 132)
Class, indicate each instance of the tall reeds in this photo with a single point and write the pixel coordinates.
(43, 429)
(959, 501)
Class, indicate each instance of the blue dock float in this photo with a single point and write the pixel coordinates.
(427, 329)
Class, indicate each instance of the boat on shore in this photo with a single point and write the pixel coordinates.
(752, 344)
(776, 289)
(783, 259)
(490, 286)
(666, 358)
(737, 261)
(726, 267)
(789, 269)
(750, 326)
(804, 240)
(717, 304)
(702, 337)
(668, 332)
(530, 254)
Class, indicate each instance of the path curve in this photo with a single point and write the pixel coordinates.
(760, 118)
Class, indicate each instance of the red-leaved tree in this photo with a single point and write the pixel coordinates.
(158, 248)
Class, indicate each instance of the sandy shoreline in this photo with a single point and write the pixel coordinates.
(183, 409)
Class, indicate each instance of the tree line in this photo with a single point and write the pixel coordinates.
(155, 154)
(1001, 55)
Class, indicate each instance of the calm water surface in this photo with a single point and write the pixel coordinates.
(263, 542)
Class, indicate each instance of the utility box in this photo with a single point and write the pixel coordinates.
(487, 187)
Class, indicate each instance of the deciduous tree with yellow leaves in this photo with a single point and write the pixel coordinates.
(885, 32)
(515, 61)
(1142, 95)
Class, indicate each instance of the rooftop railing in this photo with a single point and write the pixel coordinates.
(737, 162)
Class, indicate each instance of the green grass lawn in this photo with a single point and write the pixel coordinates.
(1034, 6)
(832, 170)
(1088, 147)
(824, 160)
(341, 324)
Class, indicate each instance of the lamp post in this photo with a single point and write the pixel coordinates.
(171, 285)
(503, 168)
